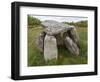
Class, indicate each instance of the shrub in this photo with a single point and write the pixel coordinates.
(32, 21)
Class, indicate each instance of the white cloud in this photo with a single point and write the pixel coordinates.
(60, 18)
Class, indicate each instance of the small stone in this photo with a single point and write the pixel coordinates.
(50, 48)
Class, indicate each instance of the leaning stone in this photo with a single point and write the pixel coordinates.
(71, 46)
(40, 41)
(50, 48)
(74, 36)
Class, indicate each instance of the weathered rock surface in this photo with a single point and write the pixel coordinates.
(40, 41)
(53, 27)
(71, 46)
(74, 36)
(59, 39)
(50, 48)
(56, 33)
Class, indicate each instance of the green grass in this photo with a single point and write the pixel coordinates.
(35, 57)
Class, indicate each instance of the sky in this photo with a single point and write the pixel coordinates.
(60, 18)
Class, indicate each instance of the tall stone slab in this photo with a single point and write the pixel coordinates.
(40, 41)
(50, 48)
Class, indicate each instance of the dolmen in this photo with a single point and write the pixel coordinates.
(56, 33)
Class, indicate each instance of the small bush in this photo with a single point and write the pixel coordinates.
(32, 21)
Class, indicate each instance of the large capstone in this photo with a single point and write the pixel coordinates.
(53, 27)
(50, 48)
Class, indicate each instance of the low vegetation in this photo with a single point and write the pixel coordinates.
(36, 58)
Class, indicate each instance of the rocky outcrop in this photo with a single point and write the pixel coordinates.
(56, 33)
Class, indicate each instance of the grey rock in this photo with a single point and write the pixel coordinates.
(59, 39)
(58, 34)
(71, 46)
(53, 27)
(50, 48)
(74, 36)
(40, 41)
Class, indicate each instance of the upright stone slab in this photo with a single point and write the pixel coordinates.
(40, 41)
(50, 48)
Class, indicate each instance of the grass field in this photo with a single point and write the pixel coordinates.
(35, 57)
